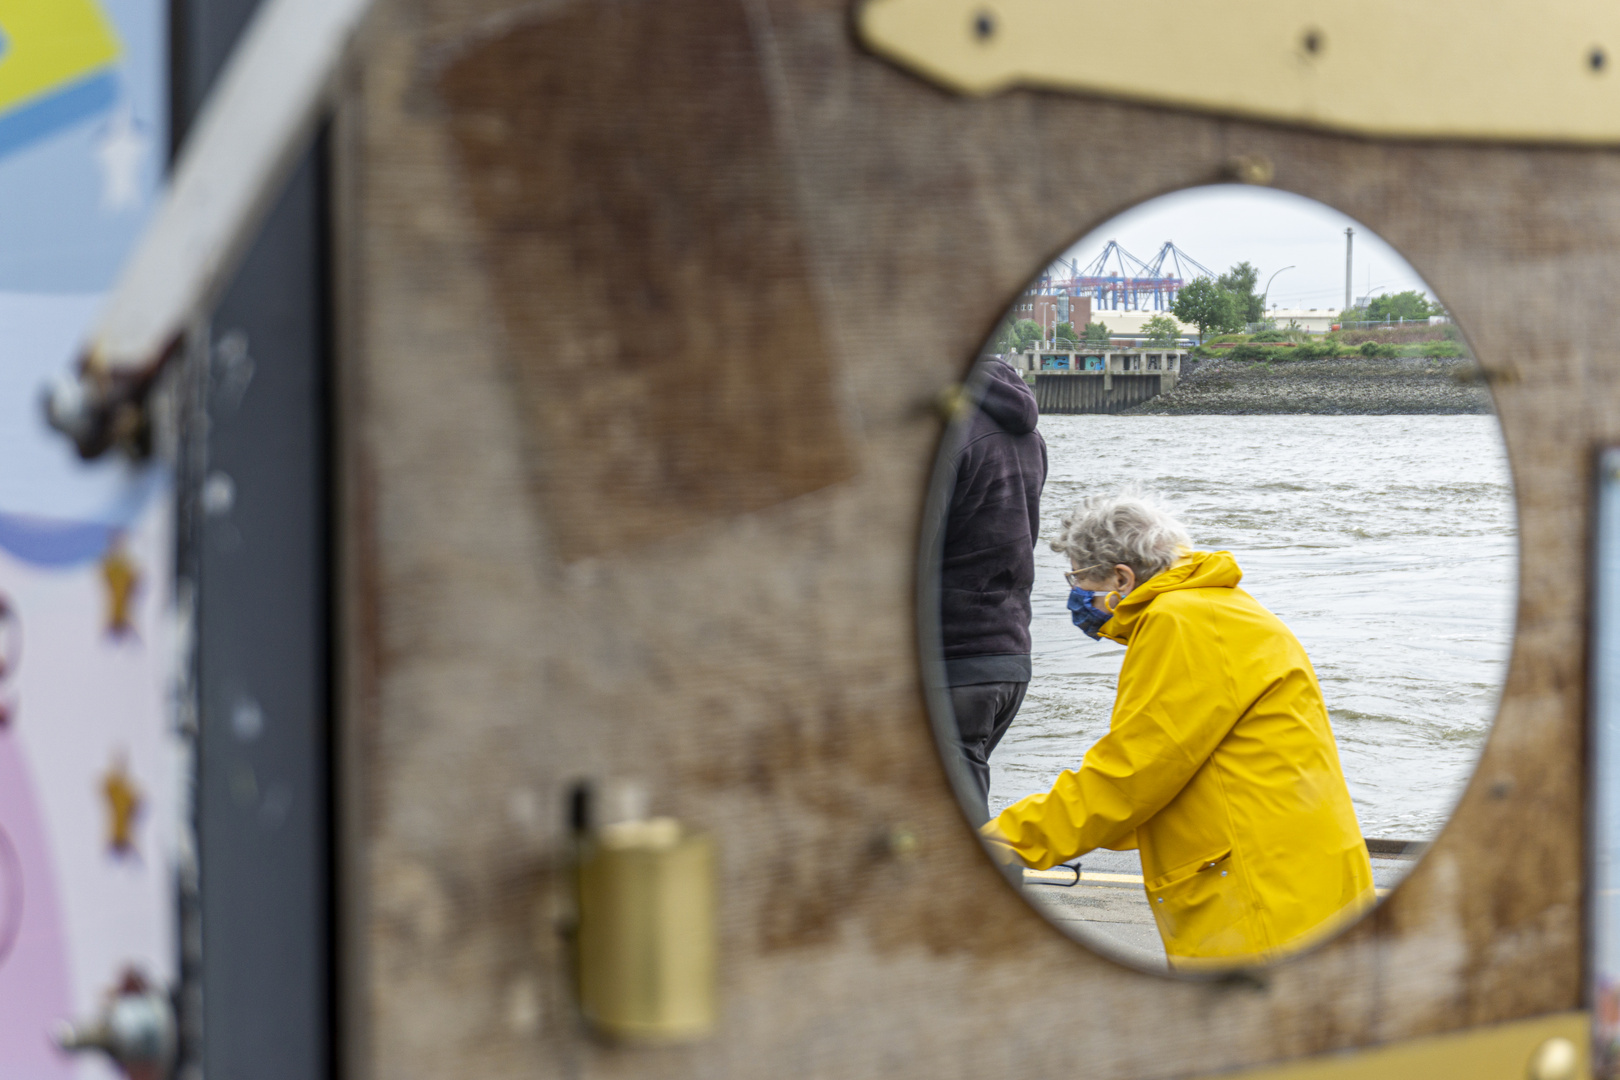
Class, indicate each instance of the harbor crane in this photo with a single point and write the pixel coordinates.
(1116, 280)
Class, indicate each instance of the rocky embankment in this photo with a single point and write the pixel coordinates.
(1354, 386)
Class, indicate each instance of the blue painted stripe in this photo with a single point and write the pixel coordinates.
(45, 116)
(53, 543)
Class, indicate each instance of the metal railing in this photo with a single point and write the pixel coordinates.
(1380, 324)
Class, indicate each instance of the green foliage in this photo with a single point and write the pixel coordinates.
(1404, 305)
(1277, 352)
(1433, 350)
(1015, 336)
(1065, 332)
(1161, 330)
(1096, 334)
(1439, 349)
(1209, 306)
(1240, 282)
(1269, 335)
(1331, 347)
(1411, 305)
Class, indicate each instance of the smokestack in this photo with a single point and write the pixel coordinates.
(1348, 233)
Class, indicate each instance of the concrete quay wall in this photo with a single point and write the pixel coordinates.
(1096, 392)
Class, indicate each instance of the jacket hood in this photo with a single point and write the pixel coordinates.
(1196, 570)
(1007, 399)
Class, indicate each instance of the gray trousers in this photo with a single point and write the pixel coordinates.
(984, 711)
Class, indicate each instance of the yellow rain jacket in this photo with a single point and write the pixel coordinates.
(1220, 765)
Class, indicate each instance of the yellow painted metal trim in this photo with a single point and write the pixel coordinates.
(1515, 70)
(1498, 1052)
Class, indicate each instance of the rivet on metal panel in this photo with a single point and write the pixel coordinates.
(903, 843)
(1555, 1059)
(1252, 169)
(952, 402)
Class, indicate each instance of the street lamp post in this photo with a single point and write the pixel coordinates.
(1265, 295)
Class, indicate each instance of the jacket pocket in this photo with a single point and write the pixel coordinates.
(1202, 909)
(1185, 871)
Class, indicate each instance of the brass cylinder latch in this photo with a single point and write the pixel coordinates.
(646, 935)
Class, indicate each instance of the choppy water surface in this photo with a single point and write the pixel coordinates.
(1388, 545)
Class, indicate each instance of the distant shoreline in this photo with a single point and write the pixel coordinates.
(1343, 387)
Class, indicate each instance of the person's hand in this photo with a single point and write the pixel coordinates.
(997, 844)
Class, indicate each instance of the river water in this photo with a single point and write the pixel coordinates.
(1388, 544)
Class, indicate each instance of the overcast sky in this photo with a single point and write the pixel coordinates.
(1228, 223)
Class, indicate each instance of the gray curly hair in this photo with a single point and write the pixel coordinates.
(1127, 527)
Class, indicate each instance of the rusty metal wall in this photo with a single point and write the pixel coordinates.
(646, 304)
(1089, 394)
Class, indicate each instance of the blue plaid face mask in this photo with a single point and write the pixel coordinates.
(1090, 610)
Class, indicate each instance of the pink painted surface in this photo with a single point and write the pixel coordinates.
(34, 992)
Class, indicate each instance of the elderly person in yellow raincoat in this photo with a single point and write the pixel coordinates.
(1219, 763)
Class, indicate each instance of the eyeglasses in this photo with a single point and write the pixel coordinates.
(1075, 577)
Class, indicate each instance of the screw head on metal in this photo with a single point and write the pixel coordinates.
(1251, 169)
(952, 402)
(1555, 1059)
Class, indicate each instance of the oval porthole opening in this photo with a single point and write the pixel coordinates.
(1314, 669)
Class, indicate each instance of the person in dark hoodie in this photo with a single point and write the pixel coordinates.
(988, 562)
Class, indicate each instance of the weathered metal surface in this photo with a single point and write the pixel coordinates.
(1540, 1048)
(751, 655)
(641, 241)
(1098, 393)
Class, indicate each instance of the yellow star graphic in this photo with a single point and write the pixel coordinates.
(123, 807)
(122, 578)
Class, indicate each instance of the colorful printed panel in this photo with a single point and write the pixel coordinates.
(89, 759)
(56, 67)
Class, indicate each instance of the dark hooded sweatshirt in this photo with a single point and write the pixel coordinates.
(988, 563)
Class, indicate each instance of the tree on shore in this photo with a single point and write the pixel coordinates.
(1209, 306)
(1410, 305)
(1240, 282)
(1016, 336)
(1065, 332)
(1096, 334)
(1161, 330)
